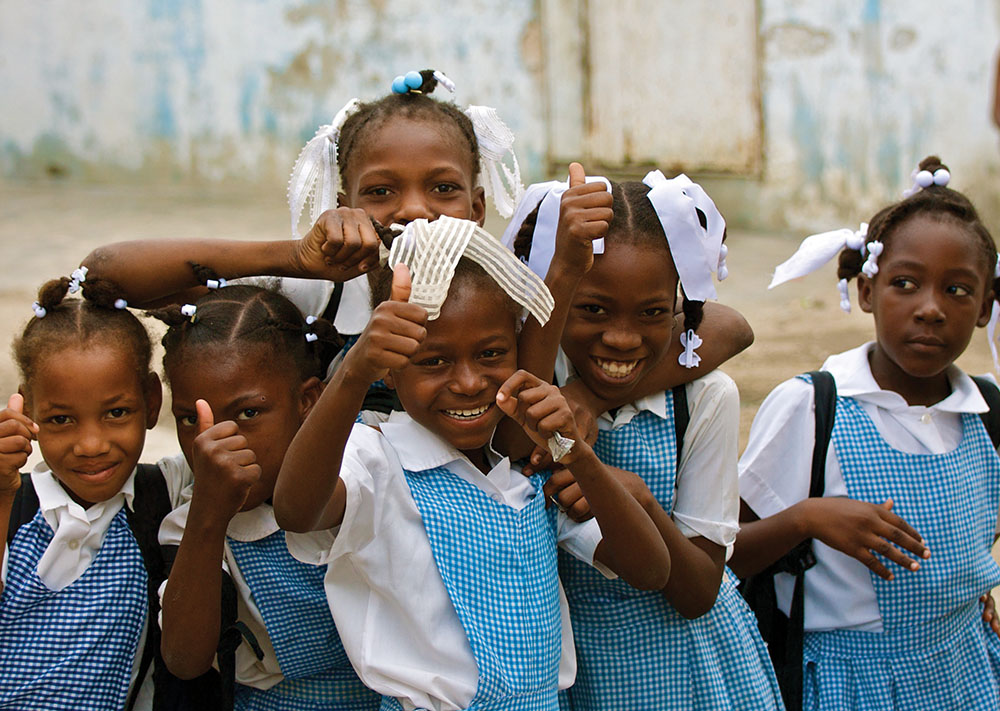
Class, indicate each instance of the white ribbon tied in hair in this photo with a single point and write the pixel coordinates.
(431, 250)
(690, 340)
(870, 267)
(78, 277)
(500, 181)
(816, 250)
(547, 197)
(316, 177)
(991, 326)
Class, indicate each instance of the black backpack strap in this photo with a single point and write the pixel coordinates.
(682, 417)
(991, 418)
(328, 351)
(150, 504)
(24, 507)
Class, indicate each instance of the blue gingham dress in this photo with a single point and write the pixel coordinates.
(935, 651)
(499, 567)
(292, 602)
(71, 649)
(634, 651)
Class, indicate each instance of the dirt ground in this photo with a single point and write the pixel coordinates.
(46, 229)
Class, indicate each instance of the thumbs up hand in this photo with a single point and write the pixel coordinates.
(585, 212)
(225, 468)
(393, 334)
(16, 432)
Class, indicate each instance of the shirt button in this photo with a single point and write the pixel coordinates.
(497, 498)
(73, 545)
(926, 418)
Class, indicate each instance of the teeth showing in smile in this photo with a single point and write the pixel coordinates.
(616, 368)
(467, 414)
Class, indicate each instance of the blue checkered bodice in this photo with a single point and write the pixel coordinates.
(71, 649)
(498, 565)
(292, 602)
(951, 499)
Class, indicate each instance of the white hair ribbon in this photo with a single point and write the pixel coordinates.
(690, 341)
(500, 181)
(431, 250)
(694, 249)
(316, 177)
(991, 333)
(78, 277)
(870, 267)
(547, 197)
(816, 250)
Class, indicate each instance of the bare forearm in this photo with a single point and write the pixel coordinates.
(761, 542)
(304, 494)
(192, 600)
(149, 271)
(538, 345)
(632, 546)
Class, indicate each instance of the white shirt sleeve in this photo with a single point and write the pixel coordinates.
(775, 467)
(707, 502)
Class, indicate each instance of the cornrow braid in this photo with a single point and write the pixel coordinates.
(99, 317)
(414, 105)
(935, 200)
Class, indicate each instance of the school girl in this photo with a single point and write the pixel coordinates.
(908, 513)
(442, 557)
(243, 371)
(692, 644)
(76, 630)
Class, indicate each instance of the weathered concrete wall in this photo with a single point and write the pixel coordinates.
(227, 89)
(852, 92)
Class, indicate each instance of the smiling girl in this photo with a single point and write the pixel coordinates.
(911, 470)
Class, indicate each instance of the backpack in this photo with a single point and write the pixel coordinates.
(783, 634)
(212, 690)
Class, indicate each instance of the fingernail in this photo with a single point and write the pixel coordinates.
(891, 577)
(500, 396)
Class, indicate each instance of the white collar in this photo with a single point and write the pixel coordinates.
(52, 496)
(253, 525)
(419, 449)
(853, 374)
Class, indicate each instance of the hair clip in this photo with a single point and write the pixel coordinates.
(925, 179)
(410, 82)
(78, 276)
(39, 310)
(845, 296)
(190, 310)
(870, 267)
(444, 81)
(310, 336)
(722, 271)
(216, 283)
(121, 304)
(690, 340)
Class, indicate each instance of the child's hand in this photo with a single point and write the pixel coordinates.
(584, 215)
(16, 432)
(562, 491)
(860, 529)
(586, 425)
(225, 468)
(340, 246)
(539, 408)
(990, 613)
(393, 334)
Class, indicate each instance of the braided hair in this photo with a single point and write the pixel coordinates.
(635, 222)
(416, 105)
(99, 318)
(240, 315)
(937, 201)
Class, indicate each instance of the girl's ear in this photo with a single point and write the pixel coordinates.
(153, 391)
(987, 309)
(864, 293)
(479, 206)
(309, 393)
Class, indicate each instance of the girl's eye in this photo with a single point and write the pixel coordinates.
(445, 188)
(959, 290)
(116, 413)
(247, 413)
(430, 362)
(654, 312)
(378, 191)
(188, 420)
(59, 419)
(493, 353)
(592, 308)
(904, 283)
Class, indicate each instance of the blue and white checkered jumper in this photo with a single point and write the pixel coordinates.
(634, 650)
(72, 649)
(292, 602)
(935, 651)
(499, 567)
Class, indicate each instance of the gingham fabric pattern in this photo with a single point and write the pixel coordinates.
(499, 567)
(634, 651)
(71, 649)
(292, 602)
(935, 651)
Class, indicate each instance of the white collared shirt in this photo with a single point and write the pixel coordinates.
(252, 525)
(775, 472)
(387, 597)
(707, 500)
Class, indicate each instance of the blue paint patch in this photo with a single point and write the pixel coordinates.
(806, 132)
(872, 11)
(164, 123)
(270, 122)
(248, 93)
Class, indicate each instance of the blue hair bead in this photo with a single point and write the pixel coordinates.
(413, 80)
(399, 85)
